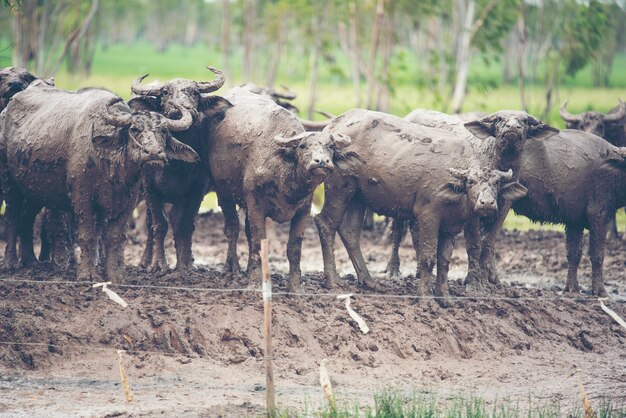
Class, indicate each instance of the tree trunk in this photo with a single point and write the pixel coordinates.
(521, 58)
(463, 54)
(383, 102)
(316, 23)
(225, 41)
(374, 42)
(354, 46)
(249, 30)
(274, 61)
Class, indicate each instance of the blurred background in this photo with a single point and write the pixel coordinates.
(389, 55)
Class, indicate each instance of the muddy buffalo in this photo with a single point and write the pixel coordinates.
(610, 126)
(281, 98)
(262, 160)
(578, 180)
(182, 183)
(81, 152)
(409, 172)
(498, 140)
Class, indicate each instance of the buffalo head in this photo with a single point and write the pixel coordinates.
(179, 93)
(12, 81)
(482, 187)
(594, 122)
(318, 153)
(510, 128)
(146, 135)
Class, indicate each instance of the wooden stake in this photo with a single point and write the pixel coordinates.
(123, 377)
(267, 331)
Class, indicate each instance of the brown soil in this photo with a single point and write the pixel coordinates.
(200, 352)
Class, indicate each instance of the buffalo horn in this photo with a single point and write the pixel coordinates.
(141, 90)
(209, 86)
(568, 117)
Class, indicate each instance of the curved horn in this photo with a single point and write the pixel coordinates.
(568, 117)
(209, 86)
(458, 174)
(324, 113)
(137, 88)
(309, 125)
(505, 176)
(120, 119)
(182, 124)
(617, 115)
(289, 95)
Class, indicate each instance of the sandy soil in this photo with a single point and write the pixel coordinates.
(199, 352)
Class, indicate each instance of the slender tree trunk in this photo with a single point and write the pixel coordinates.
(354, 46)
(374, 43)
(316, 24)
(18, 41)
(521, 58)
(225, 41)
(463, 54)
(41, 37)
(383, 102)
(250, 15)
(274, 61)
(191, 31)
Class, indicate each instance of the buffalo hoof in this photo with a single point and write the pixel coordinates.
(158, 266)
(10, 262)
(572, 288)
(294, 286)
(88, 275)
(145, 261)
(331, 280)
(600, 291)
(232, 266)
(369, 283)
(444, 301)
(473, 280)
(393, 271)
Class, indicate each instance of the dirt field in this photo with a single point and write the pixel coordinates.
(199, 352)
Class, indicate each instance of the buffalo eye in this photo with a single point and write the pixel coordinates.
(332, 146)
(302, 146)
(164, 130)
(165, 92)
(134, 130)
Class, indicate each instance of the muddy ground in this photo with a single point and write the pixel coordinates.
(199, 352)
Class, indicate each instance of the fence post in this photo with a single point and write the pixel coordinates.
(267, 331)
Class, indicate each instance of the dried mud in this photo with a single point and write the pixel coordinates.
(200, 352)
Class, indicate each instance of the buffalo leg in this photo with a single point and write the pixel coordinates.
(472, 246)
(427, 250)
(14, 203)
(155, 209)
(27, 220)
(574, 244)
(488, 265)
(183, 219)
(612, 234)
(445, 245)
(231, 230)
(597, 240)
(398, 228)
(46, 235)
(257, 233)
(87, 235)
(294, 247)
(350, 233)
(327, 222)
(414, 229)
(114, 247)
(146, 259)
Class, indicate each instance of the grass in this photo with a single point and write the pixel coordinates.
(388, 403)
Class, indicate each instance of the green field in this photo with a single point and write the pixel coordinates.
(116, 66)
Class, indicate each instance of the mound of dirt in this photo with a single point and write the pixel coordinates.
(193, 349)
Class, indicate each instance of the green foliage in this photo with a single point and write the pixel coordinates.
(497, 24)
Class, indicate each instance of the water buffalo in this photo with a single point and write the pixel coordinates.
(498, 140)
(181, 183)
(12, 81)
(81, 152)
(610, 126)
(578, 180)
(409, 172)
(262, 160)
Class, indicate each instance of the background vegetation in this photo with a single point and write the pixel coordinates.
(388, 55)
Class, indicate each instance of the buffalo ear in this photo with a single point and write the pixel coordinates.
(348, 160)
(542, 131)
(107, 138)
(513, 191)
(214, 106)
(452, 191)
(616, 159)
(176, 150)
(289, 142)
(341, 141)
(480, 128)
(147, 103)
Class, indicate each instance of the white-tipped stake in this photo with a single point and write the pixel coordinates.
(355, 316)
(111, 294)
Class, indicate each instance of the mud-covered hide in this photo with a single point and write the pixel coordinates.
(576, 179)
(12, 81)
(281, 99)
(610, 126)
(262, 160)
(80, 152)
(409, 171)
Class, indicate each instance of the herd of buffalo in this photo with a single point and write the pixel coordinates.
(87, 158)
